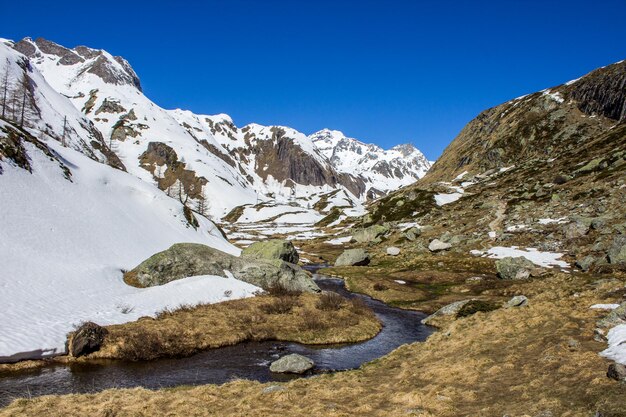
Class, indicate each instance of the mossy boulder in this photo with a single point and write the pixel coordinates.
(514, 268)
(353, 257)
(191, 259)
(372, 234)
(272, 249)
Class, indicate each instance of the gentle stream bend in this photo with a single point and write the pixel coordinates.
(248, 360)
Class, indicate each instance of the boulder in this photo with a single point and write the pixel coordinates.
(191, 259)
(353, 257)
(272, 249)
(437, 245)
(517, 301)
(616, 317)
(372, 234)
(576, 229)
(293, 364)
(393, 251)
(412, 233)
(617, 371)
(585, 263)
(514, 268)
(617, 252)
(86, 339)
(448, 310)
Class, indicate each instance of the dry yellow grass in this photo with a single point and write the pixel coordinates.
(189, 330)
(518, 362)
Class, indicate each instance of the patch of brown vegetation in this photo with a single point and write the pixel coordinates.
(515, 361)
(191, 329)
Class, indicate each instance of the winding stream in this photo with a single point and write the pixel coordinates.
(249, 360)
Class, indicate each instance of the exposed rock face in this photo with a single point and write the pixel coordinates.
(371, 234)
(272, 249)
(617, 252)
(86, 339)
(293, 364)
(514, 268)
(437, 245)
(353, 257)
(190, 259)
(457, 309)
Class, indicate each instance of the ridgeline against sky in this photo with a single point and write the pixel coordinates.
(384, 72)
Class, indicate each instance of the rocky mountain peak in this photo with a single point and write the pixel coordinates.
(110, 69)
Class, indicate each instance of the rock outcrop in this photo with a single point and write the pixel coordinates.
(190, 259)
(514, 268)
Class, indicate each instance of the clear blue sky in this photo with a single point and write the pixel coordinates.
(386, 72)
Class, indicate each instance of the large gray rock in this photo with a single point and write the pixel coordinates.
(585, 263)
(272, 249)
(412, 233)
(353, 257)
(437, 245)
(293, 364)
(86, 339)
(514, 268)
(190, 259)
(617, 252)
(372, 234)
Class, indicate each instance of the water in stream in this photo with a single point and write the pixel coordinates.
(248, 360)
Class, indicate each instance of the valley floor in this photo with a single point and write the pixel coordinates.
(540, 360)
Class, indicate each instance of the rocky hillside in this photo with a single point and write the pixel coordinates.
(546, 171)
(206, 161)
(540, 125)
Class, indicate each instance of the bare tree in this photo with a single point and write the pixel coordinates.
(4, 86)
(25, 95)
(202, 205)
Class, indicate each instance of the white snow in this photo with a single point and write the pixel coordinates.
(605, 306)
(545, 259)
(616, 339)
(549, 221)
(442, 199)
(399, 281)
(492, 234)
(339, 240)
(63, 246)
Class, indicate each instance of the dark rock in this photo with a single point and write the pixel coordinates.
(616, 371)
(86, 339)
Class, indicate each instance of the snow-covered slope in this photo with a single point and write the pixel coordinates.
(214, 163)
(67, 231)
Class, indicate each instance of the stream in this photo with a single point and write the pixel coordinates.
(248, 360)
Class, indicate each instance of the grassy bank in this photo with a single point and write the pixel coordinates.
(537, 360)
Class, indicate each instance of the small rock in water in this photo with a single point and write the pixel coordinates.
(293, 364)
(393, 251)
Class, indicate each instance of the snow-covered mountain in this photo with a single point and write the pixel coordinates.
(382, 170)
(206, 161)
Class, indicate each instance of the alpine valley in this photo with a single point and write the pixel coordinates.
(490, 284)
